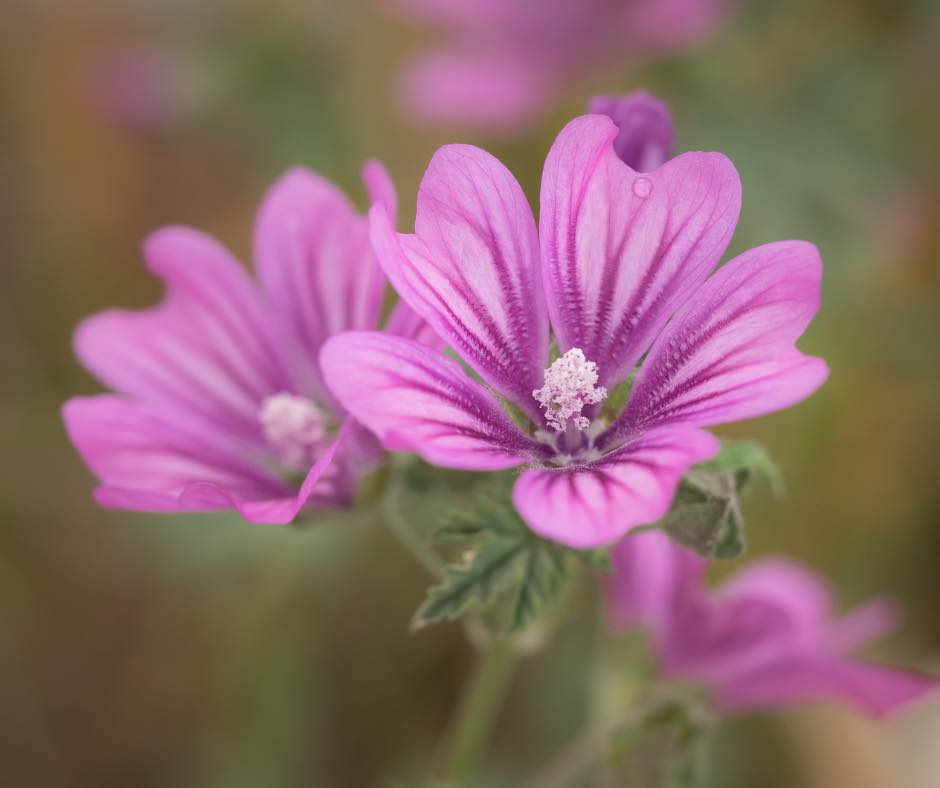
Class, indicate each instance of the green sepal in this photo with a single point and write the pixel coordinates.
(705, 515)
(706, 512)
(744, 460)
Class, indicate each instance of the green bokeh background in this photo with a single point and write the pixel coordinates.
(142, 650)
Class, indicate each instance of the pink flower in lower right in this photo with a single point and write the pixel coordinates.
(766, 637)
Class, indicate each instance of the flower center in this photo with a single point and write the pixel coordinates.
(293, 427)
(569, 386)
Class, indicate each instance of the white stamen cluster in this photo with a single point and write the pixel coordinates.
(569, 386)
(293, 427)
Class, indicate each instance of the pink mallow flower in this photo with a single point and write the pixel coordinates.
(220, 402)
(766, 637)
(502, 62)
(142, 88)
(619, 269)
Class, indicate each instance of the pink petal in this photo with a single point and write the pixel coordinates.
(206, 354)
(206, 496)
(314, 260)
(651, 577)
(771, 609)
(596, 504)
(487, 87)
(471, 269)
(380, 186)
(729, 354)
(622, 251)
(415, 399)
(874, 689)
(405, 322)
(148, 463)
(868, 622)
(667, 24)
(796, 589)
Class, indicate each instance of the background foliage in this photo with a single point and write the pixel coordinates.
(200, 651)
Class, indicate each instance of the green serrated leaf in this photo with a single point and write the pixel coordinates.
(492, 513)
(542, 580)
(489, 570)
(506, 561)
(460, 525)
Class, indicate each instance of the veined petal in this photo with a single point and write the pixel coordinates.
(874, 689)
(415, 399)
(148, 463)
(405, 322)
(621, 250)
(315, 263)
(317, 489)
(380, 186)
(471, 269)
(729, 354)
(596, 504)
(206, 354)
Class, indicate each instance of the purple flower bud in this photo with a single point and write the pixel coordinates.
(646, 138)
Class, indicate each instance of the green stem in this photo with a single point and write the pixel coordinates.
(410, 539)
(611, 707)
(479, 706)
(572, 762)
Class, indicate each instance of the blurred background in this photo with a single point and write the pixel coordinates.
(143, 650)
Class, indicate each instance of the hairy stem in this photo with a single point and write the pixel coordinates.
(479, 705)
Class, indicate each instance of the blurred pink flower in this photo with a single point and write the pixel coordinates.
(766, 637)
(219, 400)
(141, 88)
(619, 269)
(504, 61)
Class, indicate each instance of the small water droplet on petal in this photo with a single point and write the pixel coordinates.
(642, 188)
